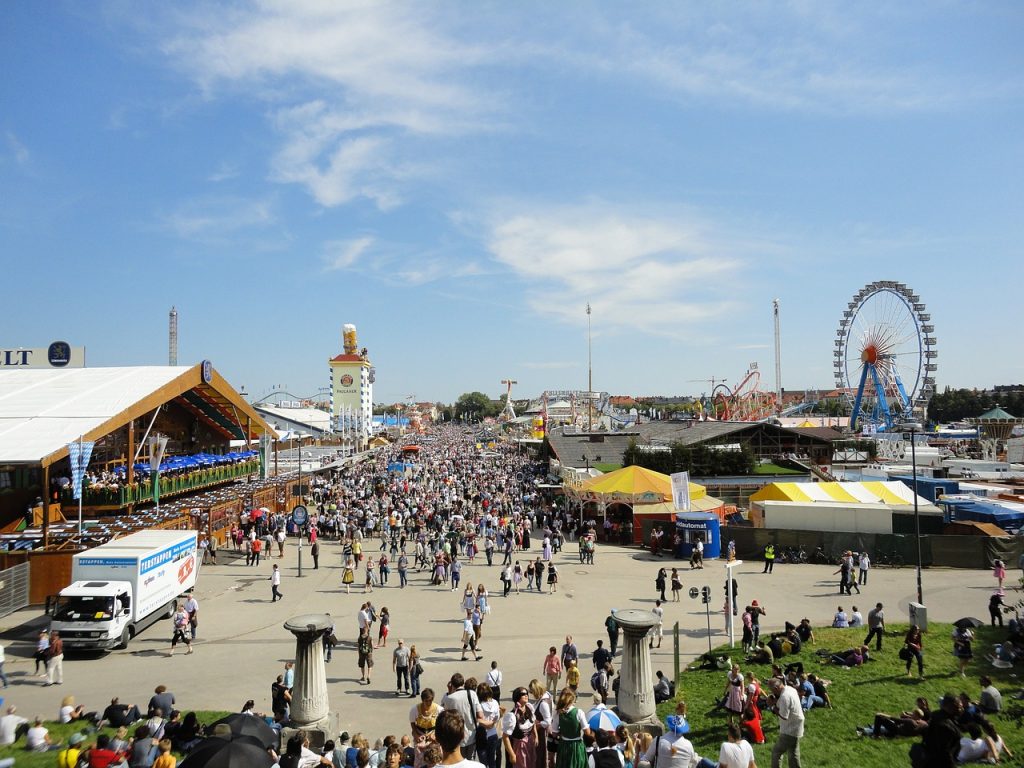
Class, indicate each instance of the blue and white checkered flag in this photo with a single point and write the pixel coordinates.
(79, 454)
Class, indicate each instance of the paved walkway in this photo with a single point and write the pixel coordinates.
(242, 644)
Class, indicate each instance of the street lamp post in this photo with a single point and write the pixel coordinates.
(917, 514)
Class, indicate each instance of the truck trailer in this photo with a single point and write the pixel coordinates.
(119, 588)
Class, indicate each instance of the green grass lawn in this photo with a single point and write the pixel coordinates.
(775, 469)
(63, 732)
(830, 737)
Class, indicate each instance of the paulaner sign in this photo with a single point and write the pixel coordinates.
(59, 354)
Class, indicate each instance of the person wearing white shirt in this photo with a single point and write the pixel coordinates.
(856, 620)
(791, 723)
(673, 750)
(11, 726)
(493, 679)
(736, 752)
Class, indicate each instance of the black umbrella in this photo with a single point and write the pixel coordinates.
(248, 725)
(968, 622)
(237, 752)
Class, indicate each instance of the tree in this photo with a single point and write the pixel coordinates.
(474, 406)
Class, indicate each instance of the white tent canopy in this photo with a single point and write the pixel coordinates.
(43, 410)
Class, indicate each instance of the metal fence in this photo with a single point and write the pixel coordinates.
(14, 583)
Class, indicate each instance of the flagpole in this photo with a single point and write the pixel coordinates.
(81, 491)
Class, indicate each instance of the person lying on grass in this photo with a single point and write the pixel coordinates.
(854, 657)
(912, 722)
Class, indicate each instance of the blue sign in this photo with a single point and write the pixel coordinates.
(300, 515)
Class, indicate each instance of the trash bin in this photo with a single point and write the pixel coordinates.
(919, 616)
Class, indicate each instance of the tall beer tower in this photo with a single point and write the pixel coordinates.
(352, 377)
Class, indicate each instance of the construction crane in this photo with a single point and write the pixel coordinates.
(508, 414)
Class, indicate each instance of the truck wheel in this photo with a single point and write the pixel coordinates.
(169, 610)
(126, 637)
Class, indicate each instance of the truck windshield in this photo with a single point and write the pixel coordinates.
(84, 608)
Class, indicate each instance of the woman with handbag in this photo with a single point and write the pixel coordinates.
(415, 670)
(519, 731)
(913, 648)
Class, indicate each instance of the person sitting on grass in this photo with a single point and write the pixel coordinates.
(821, 688)
(762, 654)
(118, 714)
(805, 632)
(100, 755)
(165, 759)
(37, 738)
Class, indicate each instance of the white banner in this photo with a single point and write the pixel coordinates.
(681, 491)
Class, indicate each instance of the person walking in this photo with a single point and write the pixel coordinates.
(348, 575)
(962, 647)
(211, 549)
(314, 551)
(181, 629)
(552, 578)
(400, 666)
(913, 648)
(257, 548)
(660, 582)
(506, 580)
(3, 677)
(769, 558)
(469, 637)
(657, 631)
(403, 570)
(876, 626)
(55, 660)
(677, 585)
(42, 652)
(364, 649)
(494, 679)
(863, 565)
(999, 572)
(275, 584)
(192, 609)
(791, 723)
(552, 669)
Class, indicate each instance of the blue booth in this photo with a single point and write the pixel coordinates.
(694, 526)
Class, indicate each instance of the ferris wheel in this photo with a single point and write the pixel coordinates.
(885, 355)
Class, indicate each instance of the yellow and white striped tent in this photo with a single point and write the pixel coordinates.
(892, 492)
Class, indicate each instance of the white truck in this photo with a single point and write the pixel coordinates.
(119, 588)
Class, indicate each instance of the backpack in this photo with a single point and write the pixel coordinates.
(595, 680)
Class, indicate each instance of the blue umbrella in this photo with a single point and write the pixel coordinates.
(600, 718)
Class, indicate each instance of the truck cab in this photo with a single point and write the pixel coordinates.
(93, 614)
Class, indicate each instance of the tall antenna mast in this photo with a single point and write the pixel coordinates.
(172, 338)
(590, 376)
(778, 354)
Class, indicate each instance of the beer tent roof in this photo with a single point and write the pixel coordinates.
(892, 493)
(634, 484)
(42, 410)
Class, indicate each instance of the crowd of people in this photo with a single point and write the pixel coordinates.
(451, 508)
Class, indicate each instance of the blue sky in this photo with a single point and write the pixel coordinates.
(460, 179)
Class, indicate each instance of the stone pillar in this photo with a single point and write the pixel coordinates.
(310, 706)
(635, 702)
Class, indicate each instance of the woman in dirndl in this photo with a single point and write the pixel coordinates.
(570, 726)
(519, 731)
(349, 574)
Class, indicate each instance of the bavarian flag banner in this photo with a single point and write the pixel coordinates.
(79, 454)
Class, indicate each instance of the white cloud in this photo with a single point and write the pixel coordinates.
(346, 80)
(214, 218)
(18, 150)
(343, 254)
(661, 276)
(224, 172)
